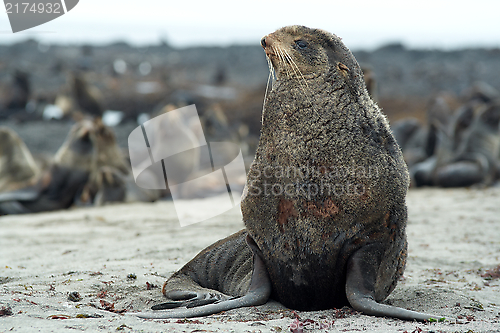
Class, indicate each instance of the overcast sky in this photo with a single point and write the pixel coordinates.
(363, 24)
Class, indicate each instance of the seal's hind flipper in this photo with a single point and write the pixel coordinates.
(464, 173)
(189, 299)
(167, 305)
(30, 193)
(360, 287)
(258, 294)
(11, 202)
(12, 208)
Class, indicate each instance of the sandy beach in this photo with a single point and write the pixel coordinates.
(87, 269)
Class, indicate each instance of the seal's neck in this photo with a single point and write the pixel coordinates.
(293, 102)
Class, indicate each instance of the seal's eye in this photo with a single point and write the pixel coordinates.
(301, 44)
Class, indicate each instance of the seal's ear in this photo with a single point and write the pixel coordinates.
(343, 68)
(338, 58)
(334, 58)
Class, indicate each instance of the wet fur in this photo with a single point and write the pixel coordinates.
(17, 166)
(319, 250)
(319, 115)
(467, 150)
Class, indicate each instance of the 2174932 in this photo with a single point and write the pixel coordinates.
(33, 7)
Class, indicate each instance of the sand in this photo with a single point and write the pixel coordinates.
(117, 257)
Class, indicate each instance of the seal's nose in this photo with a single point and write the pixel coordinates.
(263, 42)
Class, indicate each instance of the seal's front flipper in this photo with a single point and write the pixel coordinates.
(258, 293)
(361, 283)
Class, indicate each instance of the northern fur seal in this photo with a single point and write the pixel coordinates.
(15, 97)
(91, 145)
(419, 142)
(25, 188)
(324, 205)
(88, 98)
(57, 188)
(468, 151)
(17, 166)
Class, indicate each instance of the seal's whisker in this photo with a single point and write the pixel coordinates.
(299, 74)
(282, 58)
(271, 73)
(277, 51)
(271, 69)
(271, 65)
(288, 61)
(297, 67)
(285, 62)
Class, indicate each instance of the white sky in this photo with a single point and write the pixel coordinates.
(363, 24)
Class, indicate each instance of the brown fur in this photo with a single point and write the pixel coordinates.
(87, 98)
(17, 166)
(468, 150)
(324, 204)
(319, 113)
(91, 145)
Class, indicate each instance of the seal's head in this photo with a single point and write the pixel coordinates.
(17, 166)
(78, 151)
(90, 145)
(297, 51)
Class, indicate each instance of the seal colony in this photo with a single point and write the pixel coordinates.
(328, 231)
(89, 168)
